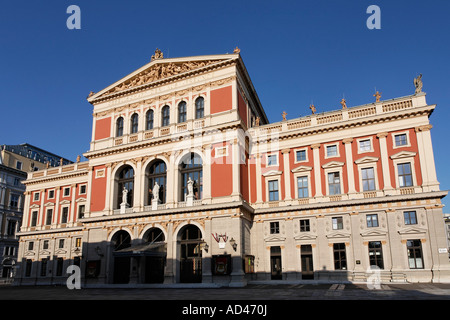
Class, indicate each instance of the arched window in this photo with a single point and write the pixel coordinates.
(182, 112)
(199, 108)
(165, 112)
(121, 240)
(134, 123)
(191, 167)
(154, 235)
(119, 127)
(149, 120)
(157, 173)
(125, 181)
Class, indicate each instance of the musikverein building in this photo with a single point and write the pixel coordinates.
(187, 181)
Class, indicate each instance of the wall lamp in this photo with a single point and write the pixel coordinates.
(233, 244)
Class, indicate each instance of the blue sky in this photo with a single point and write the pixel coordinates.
(295, 51)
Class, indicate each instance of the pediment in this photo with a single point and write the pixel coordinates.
(272, 173)
(333, 164)
(34, 206)
(44, 253)
(412, 230)
(274, 238)
(81, 200)
(338, 235)
(366, 160)
(305, 236)
(29, 253)
(403, 154)
(65, 202)
(301, 169)
(159, 69)
(368, 233)
(49, 204)
(60, 251)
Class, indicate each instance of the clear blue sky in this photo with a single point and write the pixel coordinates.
(295, 51)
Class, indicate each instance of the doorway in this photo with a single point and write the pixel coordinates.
(191, 255)
(275, 263)
(307, 262)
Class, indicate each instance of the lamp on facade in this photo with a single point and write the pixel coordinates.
(233, 244)
(204, 246)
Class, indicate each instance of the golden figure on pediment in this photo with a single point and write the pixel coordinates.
(343, 103)
(284, 114)
(377, 96)
(158, 55)
(313, 109)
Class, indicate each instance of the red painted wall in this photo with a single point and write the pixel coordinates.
(221, 172)
(221, 100)
(98, 190)
(102, 128)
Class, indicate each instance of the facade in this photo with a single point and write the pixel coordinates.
(15, 162)
(187, 181)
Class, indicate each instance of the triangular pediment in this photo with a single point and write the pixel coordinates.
(275, 238)
(412, 230)
(301, 169)
(305, 237)
(368, 233)
(272, 173)
(366, 160)
(333, 164)
(403, 154)
(338, 235)
(160, 69)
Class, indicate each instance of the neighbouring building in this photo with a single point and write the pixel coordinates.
(187, 181)
(15, 162)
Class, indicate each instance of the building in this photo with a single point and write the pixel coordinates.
(187, 181)
(15, 162)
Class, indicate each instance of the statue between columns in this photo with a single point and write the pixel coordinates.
(124, 205)
(155, 193)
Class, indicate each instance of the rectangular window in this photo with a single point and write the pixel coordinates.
(64, 214)
(48, 220)
(415, 259)
(14, 201)
(30, 245)
(410, 217)
(78, 242)
(61, 243)
(273, 190)
(43, 267)
(338, 223)
(304, 225)
(51, 194)
(34, 216)
(376, 254)
(66, 192)
(36, 196)
(29, 263)
(368, 179)
(334, 183)
(332, 151)
(11, 228)
(364, 145)
(340, 260)
(81, 209)
(401, 140)
(18, 165)
(300, 155)
(272, 160)
(45, 244)
(275, 227)
(59, 266)
(372, 220)
(404, 175)
(83, 189)
(302, 186)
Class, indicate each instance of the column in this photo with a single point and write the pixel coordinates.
(138, 202)
(385, 162)
(426, 158)
(258, 179)
(236, 170)
(349, 161)
(207, 173)
(317, 171)
(26, 211)
(287, 174)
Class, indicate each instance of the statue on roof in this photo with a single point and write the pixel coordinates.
(313, 109)
(158, 55)
(284, 114)
(418, 84)
(344, 103)
(377, 96)
(237, 50)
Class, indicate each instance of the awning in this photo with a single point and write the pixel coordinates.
(158, 249)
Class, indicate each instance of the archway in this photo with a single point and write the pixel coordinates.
(155, 256)
(119, 241)
(190, 254)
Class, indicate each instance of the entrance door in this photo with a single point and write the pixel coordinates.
(307, 262)
(191, 255)
(275, 263)
(122, 269)
(154, 270)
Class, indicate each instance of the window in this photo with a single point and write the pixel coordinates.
(78, 242)
(300, 155)
(64, 214)
(332, 151)
(14, 201)
(18, 165)
(36, 196)
(66, 192)
(191, 167)
(125, 181)
(304, 225)
(61, 243)
(11, 228)
(29, 263)
(272, 160)
(30, 245)
(16, 181)
(182, 112)
(149, 120)
(376, 254)
(34, 216)
(302, 186)
(119, 127)
(275, 227)
(81, 210)
(51, 194)
(43, 267)
(372, 220)
(401, 140)
(165, 112)
(405, 174)
(199, 108)
(48, 220)
(134, 123)
(45, 244)
(368, 179)
(83, 189)
(157, 173)
(334, 183)
(340, 260)
(365, 145)
(337, 223)
(410, 217)
(414, 249)
(59, 266)
(273, 190)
